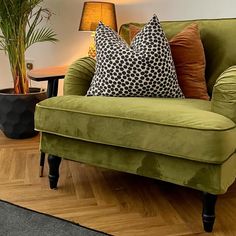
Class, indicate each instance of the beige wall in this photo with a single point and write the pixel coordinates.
(74, 44)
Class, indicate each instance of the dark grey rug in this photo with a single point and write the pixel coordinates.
(19, 221)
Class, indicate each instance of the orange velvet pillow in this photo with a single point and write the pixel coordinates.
(189, 58)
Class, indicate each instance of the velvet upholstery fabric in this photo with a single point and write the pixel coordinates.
(139, 122)
(79, 76)
(189, 58)
(133, 31)
(212, 178)
(218, 38)
(224, 94)
(209, 174)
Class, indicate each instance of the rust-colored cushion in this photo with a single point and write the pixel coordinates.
(189, 58)
(133, 30)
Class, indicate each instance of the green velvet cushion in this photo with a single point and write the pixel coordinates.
(79, 76)
(166, 126)
(224, 94)
(206, 177)
(218, 38)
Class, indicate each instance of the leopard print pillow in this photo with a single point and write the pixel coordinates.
(143, 69)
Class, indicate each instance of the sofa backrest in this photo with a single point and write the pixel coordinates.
(218, 38)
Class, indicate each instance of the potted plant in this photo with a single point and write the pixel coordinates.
(20, 27)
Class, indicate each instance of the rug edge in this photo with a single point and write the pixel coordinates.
(56, 217)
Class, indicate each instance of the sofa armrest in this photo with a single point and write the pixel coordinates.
(79, 76)
(224, 94)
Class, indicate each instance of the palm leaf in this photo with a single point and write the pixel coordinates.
(41, 35)
(37, 19)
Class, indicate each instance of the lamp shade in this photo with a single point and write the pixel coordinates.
(93, 12)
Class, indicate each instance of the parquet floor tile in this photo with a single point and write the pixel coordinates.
(106, 200)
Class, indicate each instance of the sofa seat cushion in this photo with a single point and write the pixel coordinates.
(184, 128)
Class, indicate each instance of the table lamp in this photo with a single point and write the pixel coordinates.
(93, 13)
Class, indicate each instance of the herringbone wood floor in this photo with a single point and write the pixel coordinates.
(110, 201)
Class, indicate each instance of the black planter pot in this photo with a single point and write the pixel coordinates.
(17, 112)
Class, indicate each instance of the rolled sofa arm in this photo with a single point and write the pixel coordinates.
(224, 94)
(79, 76)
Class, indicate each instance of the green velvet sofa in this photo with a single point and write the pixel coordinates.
(188, 142)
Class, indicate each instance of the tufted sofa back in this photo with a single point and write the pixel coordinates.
(218, 38)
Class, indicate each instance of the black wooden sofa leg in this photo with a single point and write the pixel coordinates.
(54, 164)
(42, 161)
(208, 212)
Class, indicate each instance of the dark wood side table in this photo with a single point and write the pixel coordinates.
(52, 75)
